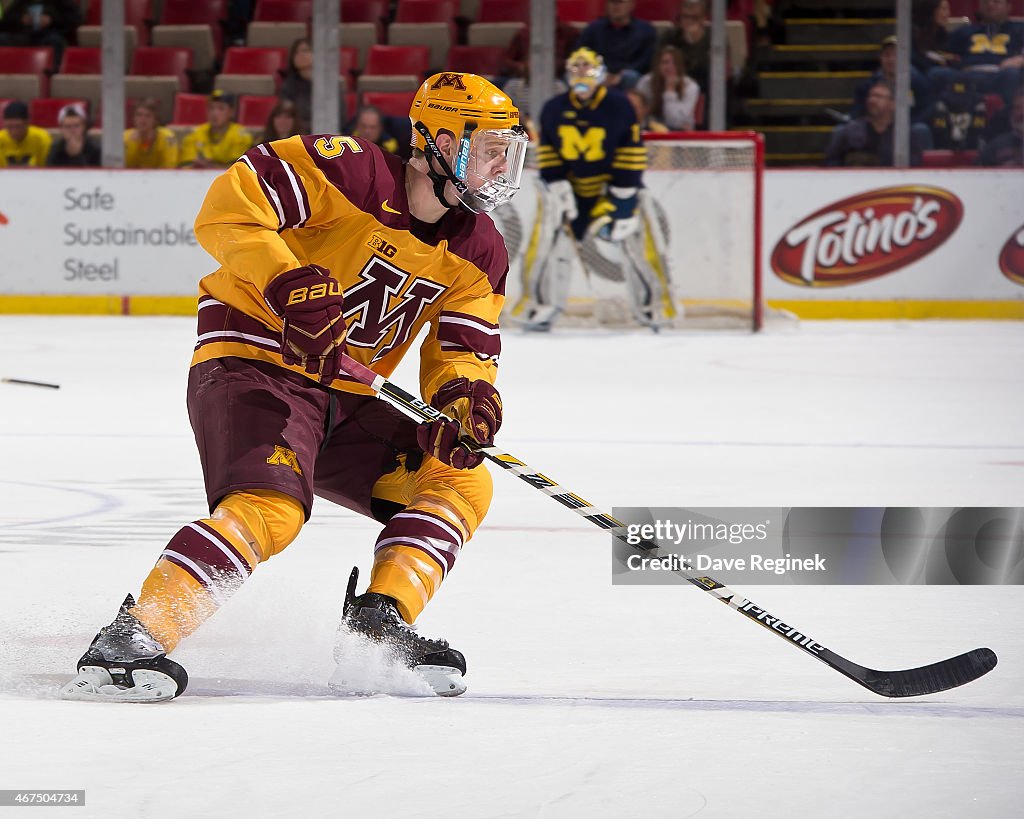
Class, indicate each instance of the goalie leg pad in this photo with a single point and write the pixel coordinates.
(647, 277)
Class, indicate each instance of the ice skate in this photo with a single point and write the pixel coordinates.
(375, 618)
(125, 663)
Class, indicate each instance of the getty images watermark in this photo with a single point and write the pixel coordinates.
(810, 545)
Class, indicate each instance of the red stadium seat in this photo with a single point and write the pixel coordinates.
(579, 11)
(425, 11)
(253, 111)
(189, 109)
(241, 60)
(190, 13)
(656, 9)
(384, 60)
(43, 112)
(365, 11)
(348, 63)
(503, 11)
(79, 60)
(395, 103)
(283, 11)
(475, 60)
(948, 159)
(152, 61)
(137, 13)
(35, 61)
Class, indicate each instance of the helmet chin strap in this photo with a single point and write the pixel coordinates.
(440, 179)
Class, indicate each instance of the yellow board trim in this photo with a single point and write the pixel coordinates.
(1009, 310)
(1003, 310)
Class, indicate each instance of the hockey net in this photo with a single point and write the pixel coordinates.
(705, 190)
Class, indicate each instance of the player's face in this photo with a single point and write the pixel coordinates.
(489, 161)
(17, 128)
(584, 79)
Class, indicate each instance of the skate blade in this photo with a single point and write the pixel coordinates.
(94, 684)
(443, 679)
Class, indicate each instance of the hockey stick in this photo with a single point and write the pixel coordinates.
(913, 682)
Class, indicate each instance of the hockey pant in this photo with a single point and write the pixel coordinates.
(432, 512)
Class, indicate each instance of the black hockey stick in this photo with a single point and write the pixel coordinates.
(913, 682)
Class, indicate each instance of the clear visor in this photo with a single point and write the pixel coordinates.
(490, 162)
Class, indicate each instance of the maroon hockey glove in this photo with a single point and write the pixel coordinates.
(309, 301)
(476, 409)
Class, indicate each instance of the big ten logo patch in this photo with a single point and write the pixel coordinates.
(283, 456)
(449, 80)
(381, 245)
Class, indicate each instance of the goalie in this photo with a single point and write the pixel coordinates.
(591, 161)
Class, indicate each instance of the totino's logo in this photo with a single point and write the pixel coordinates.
(866, 236)
(1011, 259)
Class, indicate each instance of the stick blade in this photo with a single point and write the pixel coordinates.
(930, 679)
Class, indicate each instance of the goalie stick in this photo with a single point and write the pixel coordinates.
(928, 679)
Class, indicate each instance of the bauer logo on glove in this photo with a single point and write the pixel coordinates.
(475, 411)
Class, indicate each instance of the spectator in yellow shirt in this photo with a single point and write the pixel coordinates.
(148, 145)
(220, 141)
(21, 144)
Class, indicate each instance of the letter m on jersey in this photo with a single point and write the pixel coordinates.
(382, 309)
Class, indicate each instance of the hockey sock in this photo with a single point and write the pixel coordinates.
(414, 553)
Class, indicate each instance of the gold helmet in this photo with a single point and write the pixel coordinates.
(585, 72)
(491, 143)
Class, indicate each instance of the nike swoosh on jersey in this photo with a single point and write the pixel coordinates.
(385, 206)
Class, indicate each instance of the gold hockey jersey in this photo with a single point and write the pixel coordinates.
(340, 202)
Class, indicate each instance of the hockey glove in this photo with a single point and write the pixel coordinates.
(614, 217)
(309, 301)
(475, 407)
(561, 200)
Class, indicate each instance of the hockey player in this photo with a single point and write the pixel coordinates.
(591, 161)
(327, 245)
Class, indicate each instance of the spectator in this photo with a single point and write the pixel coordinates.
(868, 140)
(34, 23)
(282, 122)
(643, 113)
(1007, 149)
(74, 148)
(959, 117)
(625, 43)
(991, 51)
(371, 125)
(692, 36)
(21, 144)
(930, 46)
(219, 141)
(920, 103)
(671, 95)
(147, 144)
(298, 82)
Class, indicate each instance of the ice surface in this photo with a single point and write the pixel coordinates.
(585, 700)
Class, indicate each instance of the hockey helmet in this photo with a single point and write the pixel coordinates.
(585, 72)
(490, 141)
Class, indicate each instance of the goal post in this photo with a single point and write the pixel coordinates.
(711, 184)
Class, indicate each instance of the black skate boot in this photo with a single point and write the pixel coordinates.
(125, 663)
(376, 617)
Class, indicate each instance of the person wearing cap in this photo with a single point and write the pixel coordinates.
(920, 89)
(21, 144)
(220, 140)
(74, 148)
(148, 144)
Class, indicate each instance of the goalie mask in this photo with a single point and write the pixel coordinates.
(490, 143)
(585, 72)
